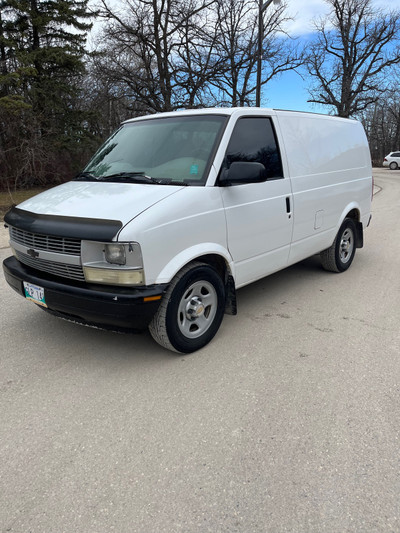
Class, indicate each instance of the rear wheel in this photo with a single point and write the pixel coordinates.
(191, 310)
(340, 255)
(393, 165)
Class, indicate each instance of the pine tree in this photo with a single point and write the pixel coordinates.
(42, 51)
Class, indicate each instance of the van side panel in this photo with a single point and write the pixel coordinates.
(330, 169)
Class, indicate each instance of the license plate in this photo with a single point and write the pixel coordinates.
(34, 293)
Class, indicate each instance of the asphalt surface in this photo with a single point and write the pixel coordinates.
(287, 422)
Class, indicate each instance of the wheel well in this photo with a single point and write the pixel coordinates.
(354, 214)
(219, 264)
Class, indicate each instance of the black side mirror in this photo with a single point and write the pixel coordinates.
(243, 172)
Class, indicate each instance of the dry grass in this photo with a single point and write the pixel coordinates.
(7, 200)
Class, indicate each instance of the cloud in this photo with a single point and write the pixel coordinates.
(305, 11)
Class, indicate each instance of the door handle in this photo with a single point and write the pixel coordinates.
(288, 209)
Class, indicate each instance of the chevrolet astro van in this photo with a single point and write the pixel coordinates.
(177, 211)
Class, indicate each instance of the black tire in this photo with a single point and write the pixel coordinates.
(191, 310)
(393, 165)
(340, 255)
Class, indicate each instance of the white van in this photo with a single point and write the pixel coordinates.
(177, 211)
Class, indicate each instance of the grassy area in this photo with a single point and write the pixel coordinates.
(16, 197)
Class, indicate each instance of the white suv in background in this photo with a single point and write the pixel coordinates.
(392, 161)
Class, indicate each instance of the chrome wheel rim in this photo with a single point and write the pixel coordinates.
(197, 309)
(346, 246)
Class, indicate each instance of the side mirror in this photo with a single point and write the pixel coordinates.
(243, 172)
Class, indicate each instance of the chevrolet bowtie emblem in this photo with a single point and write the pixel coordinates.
(33, 253)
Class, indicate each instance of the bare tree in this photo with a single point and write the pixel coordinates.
(382, 124)
(199, 62)
(171, 54)
(355, 46)
(160, 52)
(238, 45)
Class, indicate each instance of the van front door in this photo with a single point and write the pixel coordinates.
(258, 215)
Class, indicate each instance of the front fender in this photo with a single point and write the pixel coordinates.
(191, 254)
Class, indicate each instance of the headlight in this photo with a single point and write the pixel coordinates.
(112, 263)
(115, 253)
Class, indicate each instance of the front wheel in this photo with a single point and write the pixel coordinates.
(340, 255)
(191, 310)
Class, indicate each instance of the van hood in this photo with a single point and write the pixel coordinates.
(104, 201)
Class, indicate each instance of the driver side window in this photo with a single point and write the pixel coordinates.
(253, 140)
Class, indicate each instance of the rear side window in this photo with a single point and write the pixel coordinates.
(395, 154)
(253, 139)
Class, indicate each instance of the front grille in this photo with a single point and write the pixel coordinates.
(57, 269)
(46, 243)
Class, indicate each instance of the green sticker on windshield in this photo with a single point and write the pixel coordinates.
(194, 169)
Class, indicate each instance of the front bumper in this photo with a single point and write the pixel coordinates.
(102, 306)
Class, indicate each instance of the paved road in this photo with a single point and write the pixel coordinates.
(287, 422)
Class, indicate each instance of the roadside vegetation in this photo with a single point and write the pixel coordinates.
(59, 101)
(9, 199)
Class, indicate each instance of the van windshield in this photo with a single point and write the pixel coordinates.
(175, 150)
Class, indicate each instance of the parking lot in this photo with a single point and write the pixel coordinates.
(288, 421)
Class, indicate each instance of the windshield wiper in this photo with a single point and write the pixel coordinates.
(129, 177)
(133, 177)
(86, 176)
(170, 181)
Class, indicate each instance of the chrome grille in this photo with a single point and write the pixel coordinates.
(46, 243)
(52, 267)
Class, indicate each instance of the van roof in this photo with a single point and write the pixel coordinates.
(226, 111)
(203, 111)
